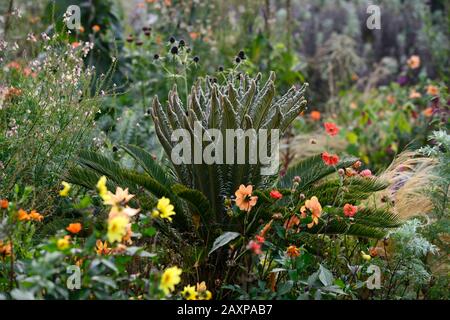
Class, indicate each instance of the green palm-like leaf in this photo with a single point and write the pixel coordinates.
(310, 170)
(146, 161)
(353, 190)
(196, 198)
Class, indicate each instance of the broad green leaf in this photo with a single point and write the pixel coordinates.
(325, 276)
(223, 240)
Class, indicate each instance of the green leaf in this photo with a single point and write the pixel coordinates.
(223, 240)
(325, 276)
(105, 280)
(84, 203)
(145, 160)
(284, 288)
(132, 251)
(18, 294)
(149, 232)
(194, 197)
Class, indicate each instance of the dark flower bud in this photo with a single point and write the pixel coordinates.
(174, 50)
(220, 68)
(114, 149)
(147, 33)
(241, 55)
(172, 40)
(196, 59)
(156, 56)
(214, 80)
(238, 60)
(130, 38)
(139, 43)
(181, 43)
(145, 29)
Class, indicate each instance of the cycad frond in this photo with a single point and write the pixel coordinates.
(146, 161)
(352, 190)
(310, 170)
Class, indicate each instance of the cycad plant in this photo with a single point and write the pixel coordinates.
(206, 219)
(240, 104)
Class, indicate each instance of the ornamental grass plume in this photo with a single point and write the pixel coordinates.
(409, 174)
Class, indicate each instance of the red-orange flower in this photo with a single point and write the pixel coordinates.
(315, 115)
(5, 249)
(244, 199)
(36, 216)
(4, 203)
(266, 228)
(331, 128)
(14, 65)
(259, 239)
(74, 228)
(23, 215)
(293, 251)
(428, 112)
(350, 210)
(330, 159)
(275, 194)
(193, 35)
(291, 222)
(96, 28)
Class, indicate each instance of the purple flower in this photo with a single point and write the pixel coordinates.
(402, 80)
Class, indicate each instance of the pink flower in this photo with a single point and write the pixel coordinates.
(350, 210)
(331, 128)
(254, 246)
(275, 194)
(365, 173)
